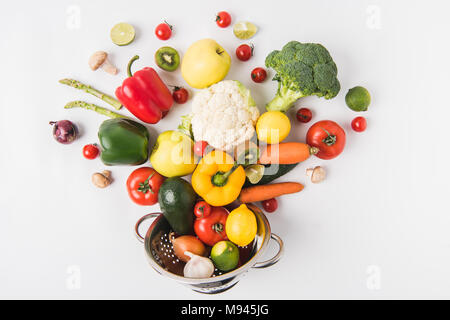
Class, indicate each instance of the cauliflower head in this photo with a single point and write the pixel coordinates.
(224, 115)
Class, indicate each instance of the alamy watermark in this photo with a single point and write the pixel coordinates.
(373, 20)
(73, 280)
(73, 20)
(373, 280)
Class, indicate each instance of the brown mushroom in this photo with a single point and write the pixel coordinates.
(102, 180)
(100, 59)
(317, 174)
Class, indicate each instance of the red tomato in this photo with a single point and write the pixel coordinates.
(270, 205)
(202, 209)
(163, 31)
(90, 151)
(211, 229)
(328, 137)
(304, 115)
(244, 52)
(143, 185)
(259, 75)
(200, 147)
(223, 19)
(180, 95)
(359, 124)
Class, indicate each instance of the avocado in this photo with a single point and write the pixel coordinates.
(177, 199)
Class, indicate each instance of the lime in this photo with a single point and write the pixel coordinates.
(254, 173)
(225, 255)
(247, 153)
(244, 30)
(122, 34)
(358, 99)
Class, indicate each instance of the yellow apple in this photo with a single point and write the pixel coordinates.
(173, 154)
(205, 63)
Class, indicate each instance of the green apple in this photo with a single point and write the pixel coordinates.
(205, 63)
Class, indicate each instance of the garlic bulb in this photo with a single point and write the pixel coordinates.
(198, 267)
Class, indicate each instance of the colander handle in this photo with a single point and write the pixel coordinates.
(136, 227)
(276, 258)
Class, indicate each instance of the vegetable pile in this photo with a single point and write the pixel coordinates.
(228, 147)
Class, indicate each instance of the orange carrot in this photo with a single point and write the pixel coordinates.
(268, 191)
(286, 153)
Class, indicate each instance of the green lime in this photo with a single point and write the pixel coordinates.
(225, 255)
(358, 99)
(254, 173)
(122, 34)
(244, 30)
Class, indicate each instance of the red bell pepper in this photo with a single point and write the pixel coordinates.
(144, 94)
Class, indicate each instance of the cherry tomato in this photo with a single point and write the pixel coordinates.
(180, 95)
(359, 124)
(90, 151)
(163, 31)
(143, 185)
(304, 115)
(259, 75)
(328, 137)
(244, 52)
(200, 147)
(270, 205)
(223, 19)
(211, 229)
(202, 209)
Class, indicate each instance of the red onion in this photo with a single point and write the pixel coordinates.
(64, 131)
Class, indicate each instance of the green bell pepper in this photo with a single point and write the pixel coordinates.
(123, 141)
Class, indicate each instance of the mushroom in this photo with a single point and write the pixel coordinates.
(100, 59)
(102, 179)
(317, 174)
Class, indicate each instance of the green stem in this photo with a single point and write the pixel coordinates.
(220, 178)
(217, 227)
(145, 187)
(284, 99)
(330, 139)
(129, 65)
(88, 89)
(93, 107)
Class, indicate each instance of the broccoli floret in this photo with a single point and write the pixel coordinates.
(302, 69)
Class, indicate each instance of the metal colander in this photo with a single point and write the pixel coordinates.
(159, 251)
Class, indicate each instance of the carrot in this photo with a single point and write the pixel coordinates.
(268, 191)
(286, 153)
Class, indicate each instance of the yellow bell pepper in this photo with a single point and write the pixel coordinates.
(217, 179)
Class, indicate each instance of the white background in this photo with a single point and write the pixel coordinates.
(378, 227)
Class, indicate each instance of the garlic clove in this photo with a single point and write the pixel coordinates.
(198, 267)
